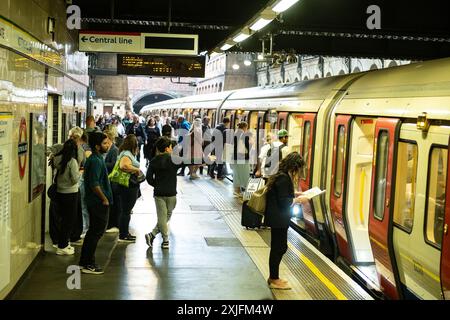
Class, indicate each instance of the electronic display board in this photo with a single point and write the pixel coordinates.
(153, 65)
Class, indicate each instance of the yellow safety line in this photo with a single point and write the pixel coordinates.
(336, 292)
(362, 182)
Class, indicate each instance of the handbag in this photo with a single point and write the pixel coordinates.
(53, 189)
(257, 202)
(136, 180)
(118, 176)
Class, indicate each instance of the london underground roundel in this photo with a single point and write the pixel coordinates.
(23, 147)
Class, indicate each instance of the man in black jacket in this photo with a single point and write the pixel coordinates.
(222, 127)
(138, 130)
(162, 176)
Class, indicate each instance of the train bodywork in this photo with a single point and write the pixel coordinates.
(378, 142)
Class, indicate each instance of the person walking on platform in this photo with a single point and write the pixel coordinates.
(162, 176)
(138, 130)
(219, 148)
(240, 163)
(98, 200)
(67, 179)
(128, 195)
(153, 133)
(281, 196)
(183, 131)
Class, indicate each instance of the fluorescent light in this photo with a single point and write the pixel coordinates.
(247, 63)
(261, 23)
(241, 37)
(235, 66)
(226, 46)
(283, 5)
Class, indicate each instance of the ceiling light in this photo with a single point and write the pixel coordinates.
(247, 63)
(241, 37)
(226, 46)
(260, 56)
(235, 66)
(261, 23)
(283, 5)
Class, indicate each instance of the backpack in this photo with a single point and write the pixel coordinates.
(271, 156)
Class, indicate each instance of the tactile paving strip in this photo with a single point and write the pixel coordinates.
(315, 288)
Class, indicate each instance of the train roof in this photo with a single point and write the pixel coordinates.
(305, 95)
(404, 91)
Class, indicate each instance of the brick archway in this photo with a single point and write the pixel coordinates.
(141, 100)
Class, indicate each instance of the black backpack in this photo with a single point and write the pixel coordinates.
(271, 154)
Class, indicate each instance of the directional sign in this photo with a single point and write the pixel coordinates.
(109, 41)
(135, 42)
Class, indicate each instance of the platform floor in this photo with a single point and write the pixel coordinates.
(211, 257)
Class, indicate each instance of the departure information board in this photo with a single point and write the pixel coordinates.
(169, 66)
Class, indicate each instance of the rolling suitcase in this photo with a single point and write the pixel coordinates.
(249, 218)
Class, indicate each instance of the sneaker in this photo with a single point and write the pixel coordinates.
(112, 230)
(79, 242)
(67, 251)
(149, 237)
(127, 239)
(92, 269)
(181, 174)
(165, 245)
(55, 246)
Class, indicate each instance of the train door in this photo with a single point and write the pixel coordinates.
(381, 206)
(357, 204)
(445, 253)
(306, 151)
(338, 181)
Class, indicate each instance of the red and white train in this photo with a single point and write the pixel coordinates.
(378, 143)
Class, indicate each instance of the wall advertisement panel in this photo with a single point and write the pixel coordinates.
(6, 124)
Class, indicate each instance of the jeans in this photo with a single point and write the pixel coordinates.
(98, 217)
(164, 208)
(278, 247)
(84, 208)
(127, 198)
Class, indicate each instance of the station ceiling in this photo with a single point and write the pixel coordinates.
(409, 29)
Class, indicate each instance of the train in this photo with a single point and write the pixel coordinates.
(378, 142)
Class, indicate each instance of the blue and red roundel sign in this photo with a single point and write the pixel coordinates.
(23, 147)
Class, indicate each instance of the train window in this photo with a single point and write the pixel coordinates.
(340, 149)
(282, 124)
(295, 131)
(305, 150)
(437, 177)
(405, 186)
(381, 174)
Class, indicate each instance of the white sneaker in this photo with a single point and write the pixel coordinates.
(67, 251)
(55, 246)
(112, 230)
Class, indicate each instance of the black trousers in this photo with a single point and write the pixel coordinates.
(98, 220)
(55, 222)
(128, 197)
(114, 212)
(278, 247)
(68, 211)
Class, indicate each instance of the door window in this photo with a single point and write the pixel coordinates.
(405, 186)
(437, 180)
(381, 174)
(305, 150)
(340, 149)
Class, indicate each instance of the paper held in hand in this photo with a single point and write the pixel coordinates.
(311, 193)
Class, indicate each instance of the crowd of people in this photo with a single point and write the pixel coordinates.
(97, 173)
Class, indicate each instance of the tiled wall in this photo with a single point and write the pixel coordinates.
(23, 91)
(25, 216)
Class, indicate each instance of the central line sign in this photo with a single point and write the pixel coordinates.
(135, 42)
